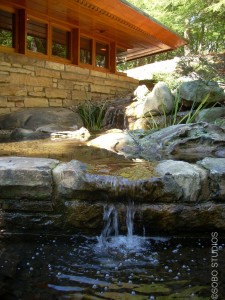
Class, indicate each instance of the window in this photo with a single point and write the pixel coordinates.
(61, 41)
(37, 36)
(23, 31)
(102, 55)
(120, 55)
(7, 36)
(86, 51)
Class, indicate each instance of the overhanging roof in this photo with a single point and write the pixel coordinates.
(115, 20)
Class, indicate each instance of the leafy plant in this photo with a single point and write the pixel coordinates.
(175, 118)
(194, 111)
(92, 114)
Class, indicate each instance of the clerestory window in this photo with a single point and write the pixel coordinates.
(102, 55)
(37, 36)
(7, 29)
(86, 50)
(61, 43)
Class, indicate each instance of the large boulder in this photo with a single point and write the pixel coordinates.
(157, 102)
(211, 115)
(114, 140)
(191, 179)
(35, 118)
(184, 142)
(197, 90)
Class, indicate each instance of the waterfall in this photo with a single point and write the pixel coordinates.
(130, 219)
(110, 218)
(111, 224)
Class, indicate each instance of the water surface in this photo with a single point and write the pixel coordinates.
(79, 267)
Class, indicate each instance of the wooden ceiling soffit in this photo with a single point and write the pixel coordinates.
(125, 13)
(132, 54)
(95, 9)
(129, 27)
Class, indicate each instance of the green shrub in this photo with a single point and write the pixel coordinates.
(175, 118)
(92, 114)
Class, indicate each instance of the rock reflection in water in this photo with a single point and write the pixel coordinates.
(63, 150)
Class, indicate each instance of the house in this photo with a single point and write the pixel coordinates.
(56, 53)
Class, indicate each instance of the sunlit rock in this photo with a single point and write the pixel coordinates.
(26, 178)
(191, 179)
(216, 169)
(115, 141)
(141, 91)
(157, 102)
(81, 134)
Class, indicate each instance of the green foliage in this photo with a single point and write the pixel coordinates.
(92, 114)
(199, 67)
(6, 38)
(201, 22)
(59, 50)
(36, 44)
(175, 117)
(170, 79)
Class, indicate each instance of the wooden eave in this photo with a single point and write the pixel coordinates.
(113, 21)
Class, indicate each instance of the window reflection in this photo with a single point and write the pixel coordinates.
(6, 29)
(37, 36)
(102, 54)
(61, 43)
(86, 51)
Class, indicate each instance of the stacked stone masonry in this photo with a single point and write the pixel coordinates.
(27, 82)
(46, 194)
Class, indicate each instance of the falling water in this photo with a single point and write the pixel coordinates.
(110, 218)
(111, 237)
(130, 220)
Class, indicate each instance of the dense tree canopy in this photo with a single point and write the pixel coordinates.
(201, 22)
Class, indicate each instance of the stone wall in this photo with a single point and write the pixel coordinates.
(39, 194)
(27, 82)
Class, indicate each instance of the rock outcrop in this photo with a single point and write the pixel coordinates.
(36, 118)
(184, 141)
(197, 90)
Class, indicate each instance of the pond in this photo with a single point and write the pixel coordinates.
(138, 268)
(61, 149)
(65, 150)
